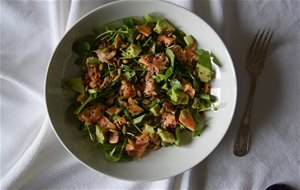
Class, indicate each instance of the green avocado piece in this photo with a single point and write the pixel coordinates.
(155, 110)
(163, 27)
(149, 128)
(179, 97)
(189, 40)
(166, 136)
(149, 18)
(204, 73)
(92, 60)
(100, 135)
(133, 51)
(197, 104)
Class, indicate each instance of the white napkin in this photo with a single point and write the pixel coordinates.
(33, 158)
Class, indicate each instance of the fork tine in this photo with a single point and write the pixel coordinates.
(265, 45)
(251, 49)
(257, 48)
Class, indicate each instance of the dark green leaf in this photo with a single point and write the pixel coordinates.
(176, 84)
(132, 33)
(199, 52)
(117, 152)
(158, 77)
(205, 60)
(128, 22)
(90, 98)
(216, 60)
(178, 136)
(81, 47)
(139, 119)
(179, 37)
(168, 73)
(200, 123)
(171, 56)
(196, 84)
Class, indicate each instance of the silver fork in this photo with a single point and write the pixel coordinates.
(254, 63)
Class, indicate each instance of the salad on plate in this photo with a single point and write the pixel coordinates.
(143, 85)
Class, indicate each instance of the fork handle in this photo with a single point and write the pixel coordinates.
(242, 141)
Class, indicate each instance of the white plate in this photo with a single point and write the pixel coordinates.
(166, 162)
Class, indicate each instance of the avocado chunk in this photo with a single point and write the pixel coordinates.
(197, 104)
(155, 110)
(149, 128)
(100, 135)
(189, 40)
(163, 27)
(133, 51)
(178, 97)
(204, 73)
(92, 60)
(149, 18)
(166, 136)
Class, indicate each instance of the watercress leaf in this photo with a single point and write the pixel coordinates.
(90, 98)
(168, 73)
(128, 22)
(179, 37)
(205, 60)
(89, 39)
(132, 33)
(178, 136)
(158, 77)
(176, 84)
(196, 84)
(171, 56)
(139, 119)
(114, 155)
(81, 47)
(199, 52)
(200, 123)
(107, 146)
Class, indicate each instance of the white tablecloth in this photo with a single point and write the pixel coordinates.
(33, 158)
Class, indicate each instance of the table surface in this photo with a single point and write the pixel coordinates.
(33, 158)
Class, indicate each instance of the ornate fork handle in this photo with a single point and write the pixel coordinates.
(242, 142)
(254, 63)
